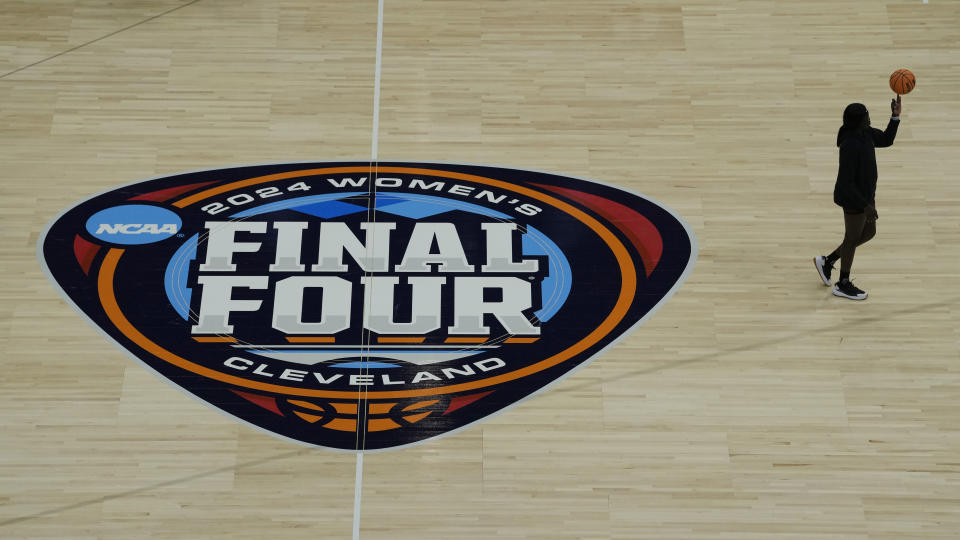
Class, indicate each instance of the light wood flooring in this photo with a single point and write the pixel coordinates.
(754, 405)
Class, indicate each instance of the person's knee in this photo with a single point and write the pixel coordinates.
(852, 240)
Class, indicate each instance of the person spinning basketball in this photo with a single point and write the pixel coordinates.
(855, 189)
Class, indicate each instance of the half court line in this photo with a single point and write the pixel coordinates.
(361, 395)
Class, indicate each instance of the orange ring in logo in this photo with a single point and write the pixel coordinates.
(627, 289)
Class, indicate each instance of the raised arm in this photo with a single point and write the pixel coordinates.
(883, 139)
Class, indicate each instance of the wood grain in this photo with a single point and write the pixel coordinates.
(753, 405)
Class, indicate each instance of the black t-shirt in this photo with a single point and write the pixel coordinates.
(857, 174)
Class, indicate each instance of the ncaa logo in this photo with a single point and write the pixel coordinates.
(133, 224)
(334, 303)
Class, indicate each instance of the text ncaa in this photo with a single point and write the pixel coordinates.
(361, 307)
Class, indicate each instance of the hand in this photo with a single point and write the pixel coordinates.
(871, 212)
(895, 106)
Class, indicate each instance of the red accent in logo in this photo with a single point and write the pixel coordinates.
(169, 193)
(462, 401)
(85, 252)
(266, 402)
(642, 234)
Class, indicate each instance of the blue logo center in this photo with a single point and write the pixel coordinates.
(134, 224)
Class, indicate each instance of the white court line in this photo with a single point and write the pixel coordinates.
(358, 481)
(376, 83)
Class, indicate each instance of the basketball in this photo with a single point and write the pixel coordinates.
(902, 81)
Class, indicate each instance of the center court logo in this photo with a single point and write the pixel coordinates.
(355, 307)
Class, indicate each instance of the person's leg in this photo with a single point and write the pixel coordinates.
(834, 256)
(857, 230)
(854, 225)
(853, 222)
(869, 231)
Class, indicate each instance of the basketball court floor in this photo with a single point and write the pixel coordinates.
(753, 404)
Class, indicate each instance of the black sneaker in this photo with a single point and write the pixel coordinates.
(824, 268)
(846, 289)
